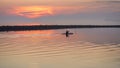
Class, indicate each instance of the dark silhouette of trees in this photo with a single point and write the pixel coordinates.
(47, 27)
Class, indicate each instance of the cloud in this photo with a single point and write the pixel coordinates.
(31, 11)
(89, 7)
(40, 11)
(109, 1)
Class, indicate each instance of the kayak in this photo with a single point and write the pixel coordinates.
(68, 33)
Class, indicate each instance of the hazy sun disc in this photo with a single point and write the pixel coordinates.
(32, 11)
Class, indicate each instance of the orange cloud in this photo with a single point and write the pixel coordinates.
(32, 11)
(39, 11)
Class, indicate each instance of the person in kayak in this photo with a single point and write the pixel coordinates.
(67, 33)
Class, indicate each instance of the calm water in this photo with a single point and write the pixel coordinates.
(86, 48)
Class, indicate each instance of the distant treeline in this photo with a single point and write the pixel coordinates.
(46, 27)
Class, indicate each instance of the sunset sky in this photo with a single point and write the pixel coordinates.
(90, 12)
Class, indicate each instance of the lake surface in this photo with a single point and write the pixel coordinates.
(86, 48)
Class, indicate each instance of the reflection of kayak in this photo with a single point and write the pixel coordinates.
(68, 33)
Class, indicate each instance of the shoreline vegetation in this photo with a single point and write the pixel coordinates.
(48, 27)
